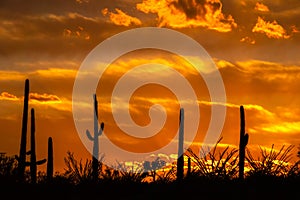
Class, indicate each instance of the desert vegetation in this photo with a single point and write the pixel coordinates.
(219, 173)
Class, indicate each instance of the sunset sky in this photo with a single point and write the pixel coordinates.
(254, 44)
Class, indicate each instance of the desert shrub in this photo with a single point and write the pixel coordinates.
(214, 165)
(272, 163)
(77, 171)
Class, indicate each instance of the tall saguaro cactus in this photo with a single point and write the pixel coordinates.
(22, 154)
(244, 137)
(50, 159)
(180, 158)
(33, 163)
(97, 133)
(32, 149)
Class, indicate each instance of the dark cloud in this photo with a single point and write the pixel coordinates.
(43, 97)
(191, 8)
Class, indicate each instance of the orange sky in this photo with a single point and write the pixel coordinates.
(254, 44)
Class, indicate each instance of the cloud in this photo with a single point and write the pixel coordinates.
(82, 1)
(270, 29)
(264, 112)
(40, 99)
(33, 97)
(120, 18)
(79, 32)
(223, 64)
(8, 96)
(269, 71)
(11, 75)
(261, 7)
(284, 127)
(44, 98)
(294, 29)
(248, 40)
(56, 73)
(189, 13)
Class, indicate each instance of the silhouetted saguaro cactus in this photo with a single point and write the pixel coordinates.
(22, 154)
(244, 137)
(95, 139)
(180, 159)
(33, 163)
(50, 159)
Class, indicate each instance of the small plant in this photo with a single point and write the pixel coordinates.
(8, 167)
(271, 163)
(134, 173)
(153, 166)
(213, 165)
(77, 171)
(166, 175)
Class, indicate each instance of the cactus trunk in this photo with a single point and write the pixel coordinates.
(32, 149)
(95, 163)
(33, 162)
(22, 155)
(180, 159)
(189, 167)
(50, 159)
(243, 143)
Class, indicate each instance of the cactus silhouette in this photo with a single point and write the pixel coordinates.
(97, 133)
(244, 137)
(22, 155)
(33, 163)
(189, 167)
(180, 159)
(50, 159)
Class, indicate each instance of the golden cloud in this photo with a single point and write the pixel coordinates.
(44, 98)
(120, 18)
(261, 7)
(270, 71)
(11, 75)
(223, 63)
(294, 29)
(57, 72)
(284, 127)
(82, 1)
(8, 96)
(248, 40)
(79, 32)
(271, 29)
(264, 112)
(189, 13)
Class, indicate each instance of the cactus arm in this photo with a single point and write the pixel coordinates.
(246, 138)
(88, 134)
(40, 162)
(101, 129)
(95, 115)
